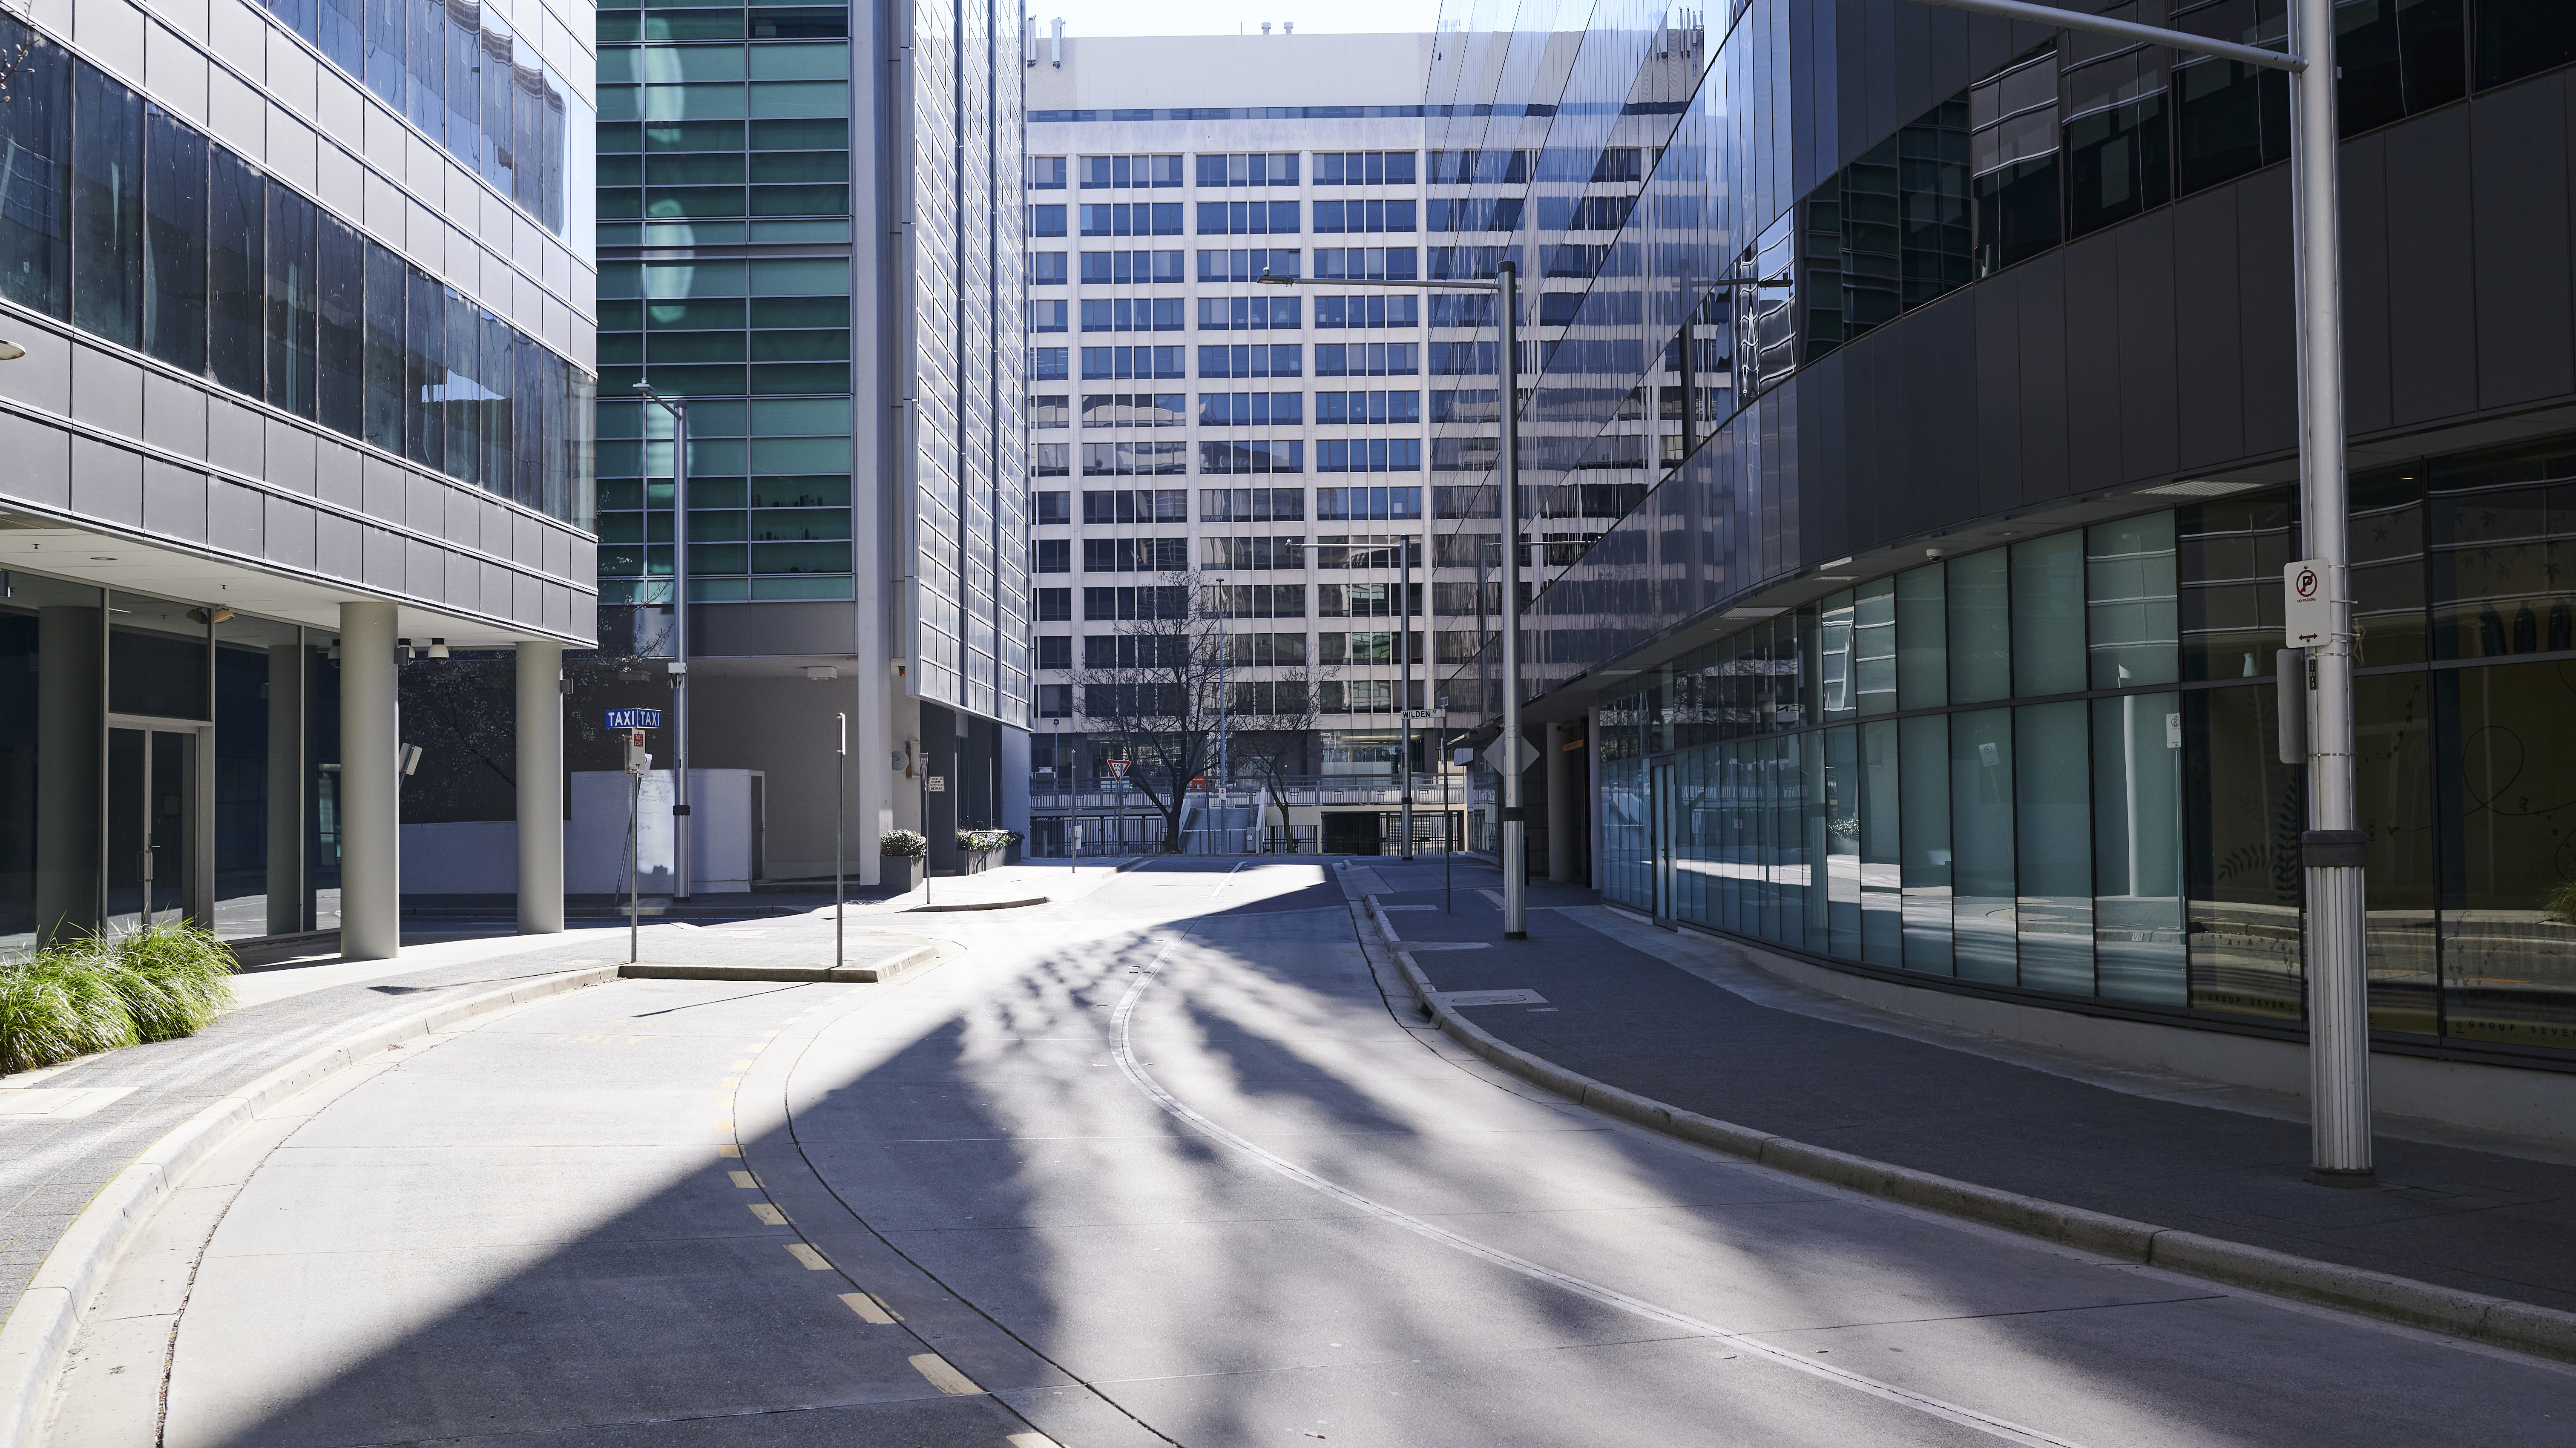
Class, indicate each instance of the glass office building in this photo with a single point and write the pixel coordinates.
(1941, 644)
(807, 233)
(305, 296)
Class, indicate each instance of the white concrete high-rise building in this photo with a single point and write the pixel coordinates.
(1184, 418)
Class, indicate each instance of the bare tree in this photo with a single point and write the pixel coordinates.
(1163, 686)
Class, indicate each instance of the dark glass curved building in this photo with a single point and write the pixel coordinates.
(1934, 636)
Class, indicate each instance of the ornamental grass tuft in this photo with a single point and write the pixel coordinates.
(97, 993)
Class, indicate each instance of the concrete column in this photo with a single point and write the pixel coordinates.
(71, 769)
(288, 764)
(541, 780)
(1560, 806)
(370, 786)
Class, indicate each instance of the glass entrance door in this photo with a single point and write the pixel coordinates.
(152, 810)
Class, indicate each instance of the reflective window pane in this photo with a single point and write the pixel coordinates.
(1981, 835)
(2137, 848)
(2129, 586)
(2048, 615)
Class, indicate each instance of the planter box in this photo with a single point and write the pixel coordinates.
(900, 873)
(976, 862)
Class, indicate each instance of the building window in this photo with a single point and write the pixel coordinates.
(1135, 555)
(1130, 314)
(1046, 220)
(1272, 360)
(1046, 269)
(1369, 455)
(1048, 316)
(1367, 359)
(1046, 173)
(1131, 268)
(1235, 555)
(1374, 408)
(1249, 314)
(1055, 605)
(1367, 504)
(1049, 409)
(1374, 311)
(1366, 216)
(1365, 263)
(1364, 168)
(1135, 409)
(1054, 506)
(1054, 555)
(1140, 505)
(1055, 701)
(1118, 364)
(1055, 651)
(1247, 218)
(1281, 456)
(1131, 459)
(1252, 409)
(1048, 459)
(1249, 168)
(1142, 218)
(1124, 173)
(1121, 605)
(1047, 364)
(1246, 266)
(1252, 505)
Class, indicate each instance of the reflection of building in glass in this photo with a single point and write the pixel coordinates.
(1939, 638)
(307, 315)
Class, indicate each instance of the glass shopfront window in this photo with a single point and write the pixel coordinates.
(2138, 842)
(173, 759)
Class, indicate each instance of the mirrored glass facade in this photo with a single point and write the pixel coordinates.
(1932, 629)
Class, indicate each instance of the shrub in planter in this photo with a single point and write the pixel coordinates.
(175, 979)
(976, 842)
(903, 844)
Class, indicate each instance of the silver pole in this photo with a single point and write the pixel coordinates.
(2338, 975)
(680, 664)
(840, 835)
(1514, 846)
(1404, 686)
(679, 411)
(634, 806)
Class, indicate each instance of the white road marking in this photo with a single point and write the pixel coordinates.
(1225, 879)
(1124, 1052)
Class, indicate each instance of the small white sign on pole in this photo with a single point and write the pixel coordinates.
(2309, 591)
(936, 784)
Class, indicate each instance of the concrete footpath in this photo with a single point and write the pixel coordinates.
(1644, 1010)
(66, 1130)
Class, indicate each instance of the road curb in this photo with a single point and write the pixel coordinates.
(927, 953)
(40, 1328)
(978, 905)
(2504, 1322)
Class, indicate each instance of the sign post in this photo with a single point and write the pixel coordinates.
(840, 833)
(638, 764)
(1118, 772)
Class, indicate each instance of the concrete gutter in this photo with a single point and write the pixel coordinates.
(48, 1315)
(2502, 1321)
(977, 905)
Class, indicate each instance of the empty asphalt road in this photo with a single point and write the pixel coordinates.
(1155, 1166)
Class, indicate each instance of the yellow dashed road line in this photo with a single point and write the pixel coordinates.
(943, 1375)
(768, 1214)
(870, 1308)
(814, 1261)
(743, 1179)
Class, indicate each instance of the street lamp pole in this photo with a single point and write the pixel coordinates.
(2332, 850)
(679, 411)
(1404, 689)
(1224, 682)
(1506, 287)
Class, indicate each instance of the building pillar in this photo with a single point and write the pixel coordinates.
(541, 783)
(71, 770)
(1560, 807)
(288, 765)
(370, 785)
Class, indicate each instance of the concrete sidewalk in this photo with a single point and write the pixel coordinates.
(66, 1130)
(1687, 1021)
